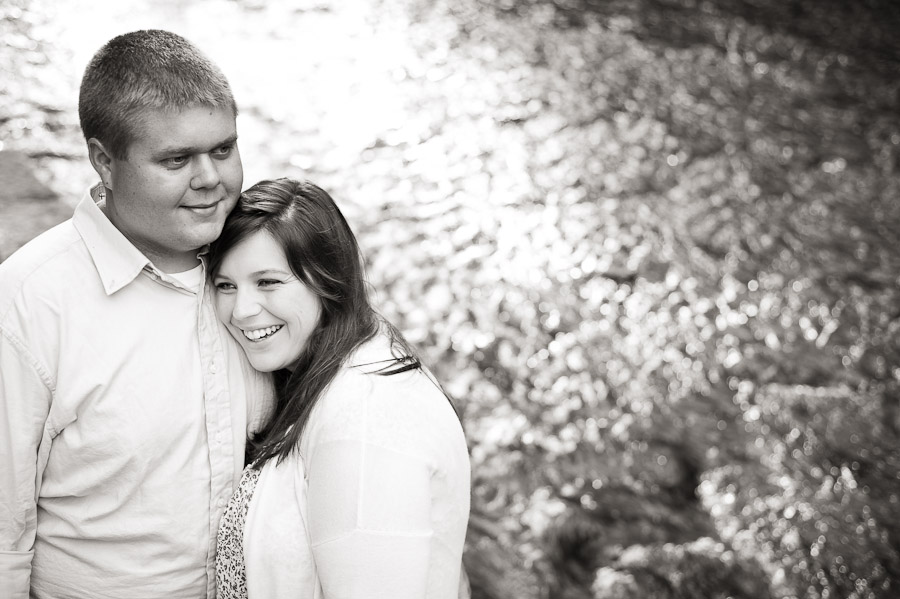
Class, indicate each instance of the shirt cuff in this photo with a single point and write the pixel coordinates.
(15, 574)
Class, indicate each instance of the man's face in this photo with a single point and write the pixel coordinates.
(180, 179)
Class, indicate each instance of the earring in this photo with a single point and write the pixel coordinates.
(102, 193)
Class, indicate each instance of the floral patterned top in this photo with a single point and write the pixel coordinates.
(231, 575)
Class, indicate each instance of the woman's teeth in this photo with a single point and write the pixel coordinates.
(261, 333)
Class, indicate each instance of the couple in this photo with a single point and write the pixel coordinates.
(136, 360)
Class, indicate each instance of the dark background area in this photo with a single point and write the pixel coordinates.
(650, 247)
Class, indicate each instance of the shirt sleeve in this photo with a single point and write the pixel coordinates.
(24, 406)
(260, 397)
(369, 521)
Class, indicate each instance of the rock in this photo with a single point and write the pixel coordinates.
(27, 206)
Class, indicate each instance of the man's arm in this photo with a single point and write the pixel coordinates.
(24, 406)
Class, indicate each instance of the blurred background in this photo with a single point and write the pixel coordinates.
(651, 248)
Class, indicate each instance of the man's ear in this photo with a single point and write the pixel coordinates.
(101, 159)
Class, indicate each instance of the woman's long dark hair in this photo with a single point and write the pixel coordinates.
(323, 253)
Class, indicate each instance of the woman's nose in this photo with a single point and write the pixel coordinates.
(246, 305)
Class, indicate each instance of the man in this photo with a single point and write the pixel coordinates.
(123, 405)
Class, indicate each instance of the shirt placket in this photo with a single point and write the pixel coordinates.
(217, 408)
(217, 403)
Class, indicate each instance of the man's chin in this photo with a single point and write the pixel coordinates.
(205, 232)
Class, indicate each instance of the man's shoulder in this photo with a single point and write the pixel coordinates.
(42, 263)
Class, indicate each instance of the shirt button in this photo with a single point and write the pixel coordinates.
(220, 502)
(212, 368)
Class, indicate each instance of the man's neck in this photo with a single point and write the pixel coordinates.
(173, 264)
(167, 262)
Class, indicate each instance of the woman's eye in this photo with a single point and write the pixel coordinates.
(268, 282)
(222, 286)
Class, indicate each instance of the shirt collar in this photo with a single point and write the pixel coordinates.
(117, 261)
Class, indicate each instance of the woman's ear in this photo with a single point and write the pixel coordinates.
(101, 160)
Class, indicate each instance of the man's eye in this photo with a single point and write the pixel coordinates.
(223, 151)
(176, 161)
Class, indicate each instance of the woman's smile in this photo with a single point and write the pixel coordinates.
(270, 311)
(261, 334)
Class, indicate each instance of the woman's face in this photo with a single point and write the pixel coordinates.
(263, 304)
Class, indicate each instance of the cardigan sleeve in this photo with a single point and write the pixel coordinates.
(370, 520)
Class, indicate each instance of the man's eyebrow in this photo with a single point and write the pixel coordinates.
(179, 150)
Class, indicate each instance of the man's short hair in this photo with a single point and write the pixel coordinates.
(141, 70)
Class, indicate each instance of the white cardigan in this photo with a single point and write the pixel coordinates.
(376, 502)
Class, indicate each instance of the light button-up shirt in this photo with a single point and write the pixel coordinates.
(124, 408)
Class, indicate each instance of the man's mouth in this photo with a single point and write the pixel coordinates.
(260, 334)
(203, 208)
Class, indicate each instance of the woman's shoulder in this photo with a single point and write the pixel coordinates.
(394, 378)
(399, 410)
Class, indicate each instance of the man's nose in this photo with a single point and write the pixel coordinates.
(206, 175)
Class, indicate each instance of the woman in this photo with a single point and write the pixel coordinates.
(359, 484)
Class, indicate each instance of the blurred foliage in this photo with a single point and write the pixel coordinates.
(38, 105)
(650, 247)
